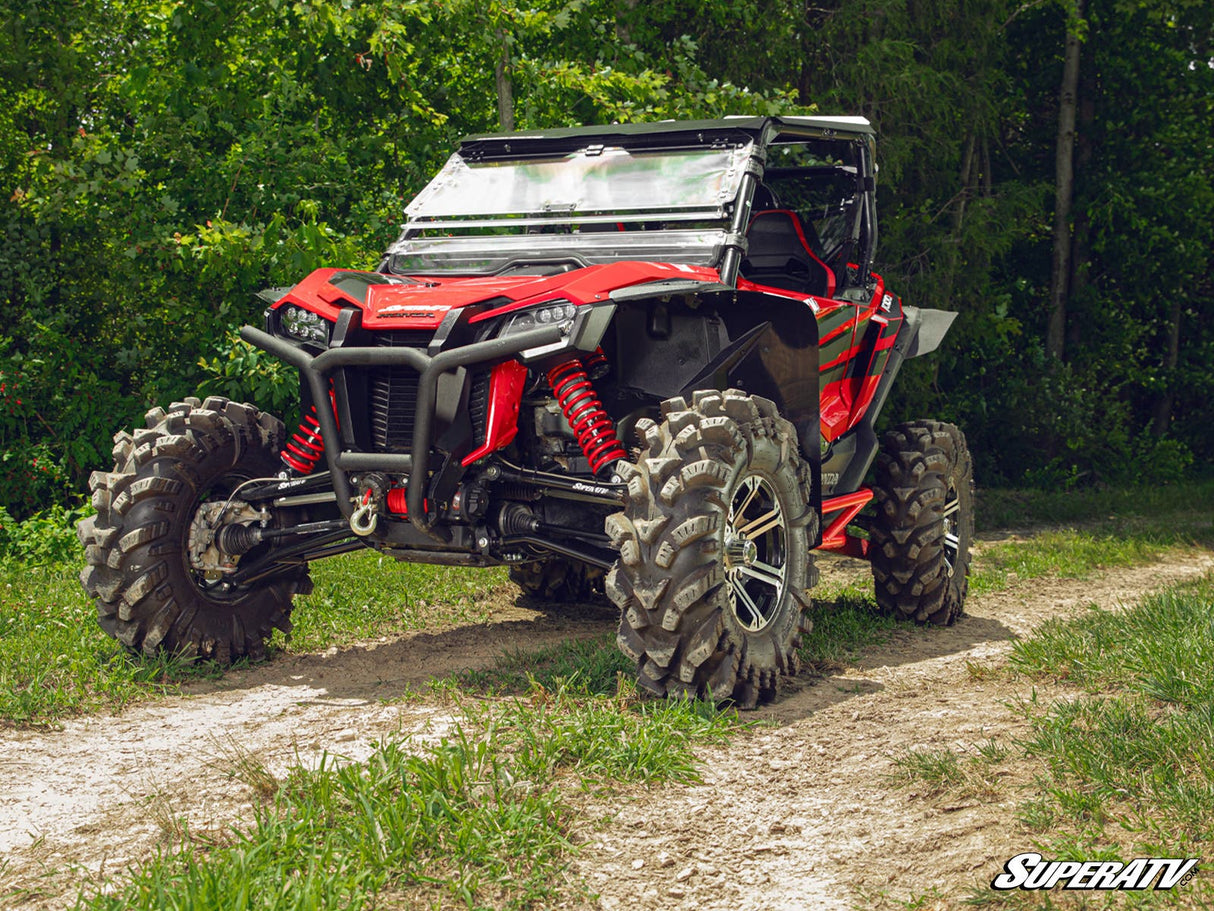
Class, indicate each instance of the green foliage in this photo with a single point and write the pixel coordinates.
(47, 538)
(160, 164)
(247, 374)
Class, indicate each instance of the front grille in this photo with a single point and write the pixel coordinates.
(478, 405)
(393, 394)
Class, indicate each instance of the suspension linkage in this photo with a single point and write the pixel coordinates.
(592, 490)
(240, 539)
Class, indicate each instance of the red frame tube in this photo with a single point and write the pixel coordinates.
(845, 508)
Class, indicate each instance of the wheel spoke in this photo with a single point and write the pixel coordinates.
(752, 483)
(765, 573)
(952, 507)
(762, 524)
(952, 543)
(739, 589)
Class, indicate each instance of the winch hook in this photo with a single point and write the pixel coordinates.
(366, 516)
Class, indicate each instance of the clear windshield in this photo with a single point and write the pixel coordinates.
(598, 204)
(592, 180)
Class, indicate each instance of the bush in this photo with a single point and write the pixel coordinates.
(45, 538)
(247, 374)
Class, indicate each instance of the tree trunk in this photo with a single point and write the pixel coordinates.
(967, 184)
(1064, 188)
(1162, 417)
(1081, 230)
(505, 90)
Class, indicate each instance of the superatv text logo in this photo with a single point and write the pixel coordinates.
(1032, 871)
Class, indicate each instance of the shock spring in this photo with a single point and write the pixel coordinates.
(591, 424)
(596, 364)
(306, 445)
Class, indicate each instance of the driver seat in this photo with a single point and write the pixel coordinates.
(781, 255)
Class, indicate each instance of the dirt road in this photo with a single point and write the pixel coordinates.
(794, 814)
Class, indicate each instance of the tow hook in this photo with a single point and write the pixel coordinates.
(366, 516)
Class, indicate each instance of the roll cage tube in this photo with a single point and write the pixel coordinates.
(862, 235)
(731, 261)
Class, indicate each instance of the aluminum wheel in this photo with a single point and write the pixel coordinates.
(952, 528)
(755, 545)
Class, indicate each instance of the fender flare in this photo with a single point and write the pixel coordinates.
(929, 328)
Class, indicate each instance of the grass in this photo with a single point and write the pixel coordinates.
(1067, 553)
(478, 820)
(484, 817)
(845, 623)
(56, 662)
(1125, 768)
(1131, 760)
(590, 666)
(366, 594)
(970, 773)
(998, 509)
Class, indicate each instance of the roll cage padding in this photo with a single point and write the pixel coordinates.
(781, 255)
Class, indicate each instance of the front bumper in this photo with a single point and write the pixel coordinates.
(317, 371)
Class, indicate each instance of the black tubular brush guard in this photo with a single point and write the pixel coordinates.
(316, 370)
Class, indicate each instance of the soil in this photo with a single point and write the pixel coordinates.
(797, 812)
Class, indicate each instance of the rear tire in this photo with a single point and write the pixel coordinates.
(714, 550)
(151, 595)
(558, 579)
(920, 538)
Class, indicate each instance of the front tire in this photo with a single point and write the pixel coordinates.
(146, 546)
(714, 550)
(920, 537)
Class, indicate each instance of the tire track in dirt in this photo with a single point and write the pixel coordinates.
(91, 799)
(799, 815)
(790, 815)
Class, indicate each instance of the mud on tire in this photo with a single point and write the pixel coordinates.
(714, 550)
(924, 523)
(558, 579)
(137, 545)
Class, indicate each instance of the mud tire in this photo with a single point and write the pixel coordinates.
(138, 568)
(675, 588)
(924, 523)
(558, 580)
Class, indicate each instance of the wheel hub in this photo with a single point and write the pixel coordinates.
(753, 552)
(207, 560)
(739, 551)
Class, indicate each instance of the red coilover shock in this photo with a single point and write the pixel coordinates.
(591, 424)
(306, 445)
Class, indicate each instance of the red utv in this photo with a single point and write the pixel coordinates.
(644, 357)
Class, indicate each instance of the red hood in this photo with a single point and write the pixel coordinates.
(424, 304)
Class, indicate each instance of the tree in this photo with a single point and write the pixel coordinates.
(1064, 182)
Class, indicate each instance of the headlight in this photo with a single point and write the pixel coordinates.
(304, 325)
(547, 314)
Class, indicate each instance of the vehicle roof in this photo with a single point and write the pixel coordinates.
(845, 127)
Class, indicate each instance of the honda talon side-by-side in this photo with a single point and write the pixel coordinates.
(639, 359)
